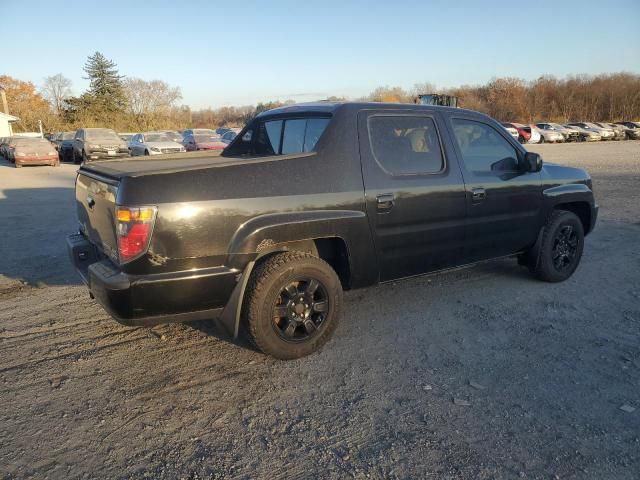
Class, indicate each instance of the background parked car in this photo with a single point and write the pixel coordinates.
(34, 151)
(199, 141)
(65, 146)
(524, 134)
(198, 131)
(153, 143)
(7, 146)
(512, 131)
(632, 129)
(605, 134)
(586, 135)
(228, 136)
(618, 130)
(98, 143)
(549, 135)
(569, 134)
(535, 134)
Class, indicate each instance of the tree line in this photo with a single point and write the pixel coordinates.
(134, 104)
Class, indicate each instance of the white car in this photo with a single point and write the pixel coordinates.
(535, 134)
(153, 143)
(512, 131)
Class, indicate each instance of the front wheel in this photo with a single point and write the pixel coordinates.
(561, 247)
(292, 305)
(541, 139)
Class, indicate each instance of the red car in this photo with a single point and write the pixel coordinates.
(199, 141)
(524, 131)
(34, 151)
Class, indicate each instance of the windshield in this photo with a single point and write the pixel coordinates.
(68, 135)
(207, 138)
(156, 137)
(103, 135)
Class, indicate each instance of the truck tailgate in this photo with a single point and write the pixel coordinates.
(95, 203)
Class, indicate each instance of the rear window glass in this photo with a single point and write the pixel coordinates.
(280, 137)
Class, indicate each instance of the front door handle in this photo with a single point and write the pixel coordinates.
(385, 202)
(478, 194)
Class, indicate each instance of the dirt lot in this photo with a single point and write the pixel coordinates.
(539, 372)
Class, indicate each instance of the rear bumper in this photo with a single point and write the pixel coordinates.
(146, 300)
(593, 218)
(106, 156)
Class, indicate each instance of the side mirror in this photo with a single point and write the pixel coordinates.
(532, 162)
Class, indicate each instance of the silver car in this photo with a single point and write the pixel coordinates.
(569, 134)
(550, 135)
(618, 130)
(605, 133)
(153, 143)
(632, 129)
(586, 135)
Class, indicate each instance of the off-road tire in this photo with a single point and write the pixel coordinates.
(265, 285)
(543, 267)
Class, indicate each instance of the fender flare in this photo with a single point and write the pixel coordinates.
(269, 233)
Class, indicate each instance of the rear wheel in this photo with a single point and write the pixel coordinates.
(561, 247)
(292, 305)
(146, 152)
(541, 139)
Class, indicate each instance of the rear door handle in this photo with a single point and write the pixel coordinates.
(478, 194)
(385, 202)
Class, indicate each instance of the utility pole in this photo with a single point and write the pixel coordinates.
(40, 127)
(5, 107)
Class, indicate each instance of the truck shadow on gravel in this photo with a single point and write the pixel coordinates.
(36, 222)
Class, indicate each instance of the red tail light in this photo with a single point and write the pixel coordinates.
(134, 229)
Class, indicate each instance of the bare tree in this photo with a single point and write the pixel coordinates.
(56, 89)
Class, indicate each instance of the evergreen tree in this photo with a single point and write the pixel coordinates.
(106, 87)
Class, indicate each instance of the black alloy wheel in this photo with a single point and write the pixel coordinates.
(565, 248)
(300, 309)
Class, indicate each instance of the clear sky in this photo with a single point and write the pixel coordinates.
(237, 53)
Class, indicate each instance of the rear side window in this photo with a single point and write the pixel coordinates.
(483, 149)
(405, 145)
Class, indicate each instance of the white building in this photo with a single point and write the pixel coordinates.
(5, 124)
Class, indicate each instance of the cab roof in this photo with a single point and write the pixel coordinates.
(331, 107)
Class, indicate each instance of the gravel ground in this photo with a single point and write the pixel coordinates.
(477, 373)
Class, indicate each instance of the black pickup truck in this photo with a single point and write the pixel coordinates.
(312, 199)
